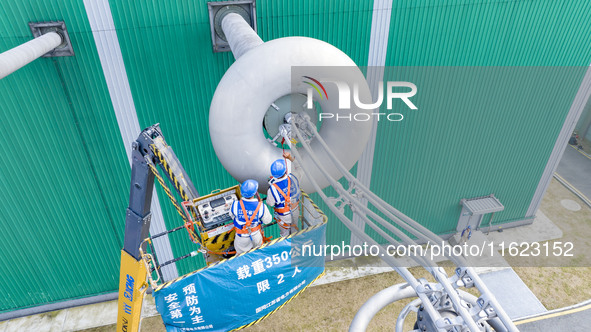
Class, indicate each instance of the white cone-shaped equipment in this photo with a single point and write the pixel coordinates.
(261, 75)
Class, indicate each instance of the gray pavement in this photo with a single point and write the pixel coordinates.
(575, 167)
(571, 320)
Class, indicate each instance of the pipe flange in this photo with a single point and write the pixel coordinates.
(219, 16)
(40, 28)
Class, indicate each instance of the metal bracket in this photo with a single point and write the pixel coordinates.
(217, 11)
(485, 304)
(41, 28)
(464, 278)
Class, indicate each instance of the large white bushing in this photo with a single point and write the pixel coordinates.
(18, 57)
(258, 78)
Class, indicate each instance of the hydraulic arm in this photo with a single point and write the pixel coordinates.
(148, 150)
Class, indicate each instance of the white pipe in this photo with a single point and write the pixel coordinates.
(439, 275)
(377, 302)
(239, 34)
(18, 57)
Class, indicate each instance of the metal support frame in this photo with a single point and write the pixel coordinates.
(168, 161)
(137, 223)
(431, 295)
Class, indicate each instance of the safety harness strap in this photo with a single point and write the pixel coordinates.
(248, 223)
(287, 198)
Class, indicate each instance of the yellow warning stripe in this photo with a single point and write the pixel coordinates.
(167, 191)
(579, 151)
(279, 307)
(168, 170)
(572, 187)
(556, 314)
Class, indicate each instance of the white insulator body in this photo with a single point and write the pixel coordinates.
(262, 75)
(241, 37)
(20, 56)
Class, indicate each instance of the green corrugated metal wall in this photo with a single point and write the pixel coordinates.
(64, 176)
(449, 150)
(478, 131)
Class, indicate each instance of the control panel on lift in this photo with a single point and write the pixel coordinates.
(211, 215)
(215, 211)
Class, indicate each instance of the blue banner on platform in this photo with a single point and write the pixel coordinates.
(241, 290)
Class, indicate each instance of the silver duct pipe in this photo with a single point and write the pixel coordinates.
(439, 275)
(18, 57)
(396, 293)
(437, 272)
(418, 230)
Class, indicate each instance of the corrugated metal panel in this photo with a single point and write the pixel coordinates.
(173, 74)
(498, 32)
(64, 177)
(107, 44)
(451, 149)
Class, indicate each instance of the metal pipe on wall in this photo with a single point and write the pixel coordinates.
(18, 57)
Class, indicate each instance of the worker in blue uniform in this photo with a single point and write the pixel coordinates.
(249, 213)
(284, 195)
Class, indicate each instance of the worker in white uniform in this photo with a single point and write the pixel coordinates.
(249, 213)
(284, 196)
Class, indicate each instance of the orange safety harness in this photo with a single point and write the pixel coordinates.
(287, 197)
(246, 229)
(287, 204)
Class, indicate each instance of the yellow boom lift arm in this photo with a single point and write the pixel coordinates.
(148, 150)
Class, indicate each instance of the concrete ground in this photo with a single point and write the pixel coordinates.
(575, 167)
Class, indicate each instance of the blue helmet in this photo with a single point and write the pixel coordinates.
(278, 168)
(249, 188)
